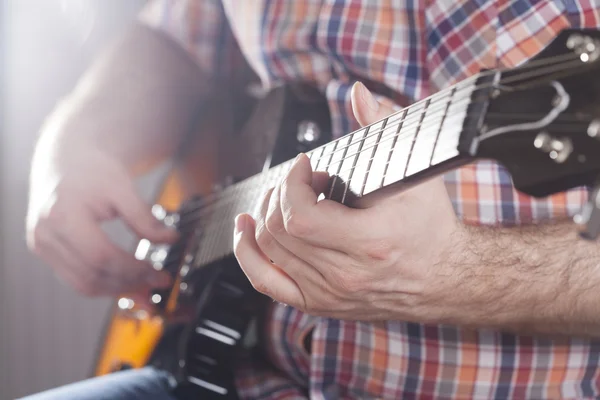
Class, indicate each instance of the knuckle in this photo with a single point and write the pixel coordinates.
(298, 225)
(274, 223)
(350, 283)
(98, 259)
(379, 250)
(263, 239)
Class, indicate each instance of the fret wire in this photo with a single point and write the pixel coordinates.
(373, 155)
(227, 220)
(313, 156)
(512, 79)
(400, 137)
(415, 121)
(441, 125)
(360, 145)
(331, 155)
(403, 178)
(412, 146)
(350, 137)
(436, 99)
(395, 140)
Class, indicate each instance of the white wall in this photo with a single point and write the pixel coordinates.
(48, 334)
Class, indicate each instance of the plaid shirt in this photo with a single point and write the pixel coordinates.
(404, 50)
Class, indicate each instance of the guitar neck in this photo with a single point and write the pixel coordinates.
(417, 141)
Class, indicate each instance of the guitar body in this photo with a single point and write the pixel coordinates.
(256, 134)
(132, 334)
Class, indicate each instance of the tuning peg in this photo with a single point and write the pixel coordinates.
(593, 130)
(586, 47)
(309, 132)
(589, 217)
(558, 149)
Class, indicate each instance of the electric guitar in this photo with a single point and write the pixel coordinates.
(540, 120)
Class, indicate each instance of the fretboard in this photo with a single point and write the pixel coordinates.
(403, 145)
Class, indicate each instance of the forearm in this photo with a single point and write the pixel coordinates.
(540, 279)
(135, 102)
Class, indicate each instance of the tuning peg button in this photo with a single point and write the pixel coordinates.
(308, 132)
(542, 141)
(594, 129)
(558, 150)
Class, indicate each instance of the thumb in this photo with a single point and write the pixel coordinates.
(138, 216)
(366, 108)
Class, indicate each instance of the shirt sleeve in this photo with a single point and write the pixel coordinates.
(199, 26)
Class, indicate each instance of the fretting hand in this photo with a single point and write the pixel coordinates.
(386, 262)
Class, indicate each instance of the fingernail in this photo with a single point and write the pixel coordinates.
(368, 98)
(240, 223)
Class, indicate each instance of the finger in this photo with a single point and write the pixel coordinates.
(302, 217)
(320, 181)
(86, 239)
(68, 267)
(138, 215)
(286, 252)
(365, 107)
(112, 272)
(324, 224)
(264, 276)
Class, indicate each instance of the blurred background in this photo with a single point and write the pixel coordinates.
(48, 334)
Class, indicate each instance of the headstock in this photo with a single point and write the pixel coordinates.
(542, 119)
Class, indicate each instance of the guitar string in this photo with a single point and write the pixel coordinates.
(208, 254)
(211, 253)
(362, 163)
(439, 94)
(261, 186)
(225, 230)
(415, 106)
(412, 117)
(228, 248)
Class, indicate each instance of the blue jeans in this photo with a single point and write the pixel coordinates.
(147, 383)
